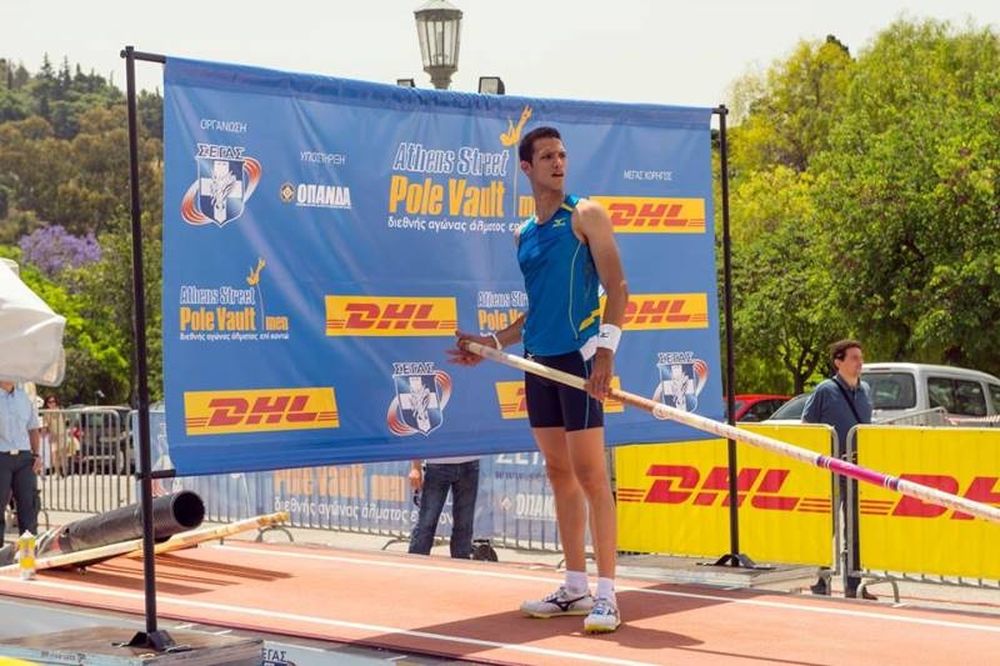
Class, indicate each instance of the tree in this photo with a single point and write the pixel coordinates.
(783, 321)
(63, 182)
(51, 249)
(783, 317)
(93, 357)
(784, 117)
(910, 189)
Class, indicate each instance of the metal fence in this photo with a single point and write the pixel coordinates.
(936, 416)
(89, 457)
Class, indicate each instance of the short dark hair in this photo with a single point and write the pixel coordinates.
(838, 350)
(526, 149)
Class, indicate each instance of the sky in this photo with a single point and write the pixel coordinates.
(658, 51)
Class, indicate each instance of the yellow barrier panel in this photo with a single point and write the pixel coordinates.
(673, 498)
(903, 534)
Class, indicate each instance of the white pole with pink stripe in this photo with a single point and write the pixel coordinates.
(835, 465)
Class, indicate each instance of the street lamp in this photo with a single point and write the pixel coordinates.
(438, 26)
(491, 85)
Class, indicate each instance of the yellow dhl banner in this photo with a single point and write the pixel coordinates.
(661, 312)
(903, 534)
(256, 410)
(391, 316)
(674, 498)
(510, 397)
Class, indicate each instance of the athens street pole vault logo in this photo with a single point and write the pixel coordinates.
(226, 181)
(682, 378)
(421, 397)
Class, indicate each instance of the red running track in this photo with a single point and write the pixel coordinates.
(468, 610)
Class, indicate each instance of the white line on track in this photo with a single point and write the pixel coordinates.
(462, 571)
(308, 619)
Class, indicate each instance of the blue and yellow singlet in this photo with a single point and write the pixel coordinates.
(561, 280)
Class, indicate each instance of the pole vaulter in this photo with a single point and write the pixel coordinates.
(835, 465)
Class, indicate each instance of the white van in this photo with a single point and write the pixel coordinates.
(903, 389)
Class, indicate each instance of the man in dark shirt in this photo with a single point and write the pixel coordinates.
(843, 401)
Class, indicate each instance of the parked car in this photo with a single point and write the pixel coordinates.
(901, 390)
(758, 406)
(105, 437)
(791, 411)
(905, 389)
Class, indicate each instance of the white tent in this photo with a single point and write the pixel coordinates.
(31, 333)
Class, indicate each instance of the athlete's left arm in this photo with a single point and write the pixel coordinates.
(594, 225)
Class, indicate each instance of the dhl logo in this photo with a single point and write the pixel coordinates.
(510, 395)
(257, 410)
(654, 215)
(656, 312)
(982, 489)
(390, 316)
(682, 484)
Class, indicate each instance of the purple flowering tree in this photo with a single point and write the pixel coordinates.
(52, 249)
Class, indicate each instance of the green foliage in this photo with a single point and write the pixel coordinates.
(911, 184)
(64, 160)
(865, 203)
(789, 111)
(94, 358)
(782, 312)
(781, 291)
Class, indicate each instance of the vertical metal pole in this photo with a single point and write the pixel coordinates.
(152, 638)
(734, 558)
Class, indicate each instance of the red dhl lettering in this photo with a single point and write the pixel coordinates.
(221, 412)
(510, 395)
(656, 311)
(397, 316)
(666, 311)
(390, 316)
(647, 215)
(265, 409)
(654, 214)
(983, 489)
(682, 484)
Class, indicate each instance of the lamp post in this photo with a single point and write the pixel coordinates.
(438, 26)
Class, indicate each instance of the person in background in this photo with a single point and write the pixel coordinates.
(431, 482)
(842, 401)
(54, 421)
(20, 460)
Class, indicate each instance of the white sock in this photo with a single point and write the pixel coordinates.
(576, 582)
(606, 589)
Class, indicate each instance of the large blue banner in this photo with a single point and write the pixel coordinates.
(323, 238)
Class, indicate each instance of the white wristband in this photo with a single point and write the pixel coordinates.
(496, 340)
(609, 336)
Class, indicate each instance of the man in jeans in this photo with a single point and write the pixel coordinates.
(432, 481)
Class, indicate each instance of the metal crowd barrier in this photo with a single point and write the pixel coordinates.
(88, 460)
(935, 416)
(935, 533)
(514, 508)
